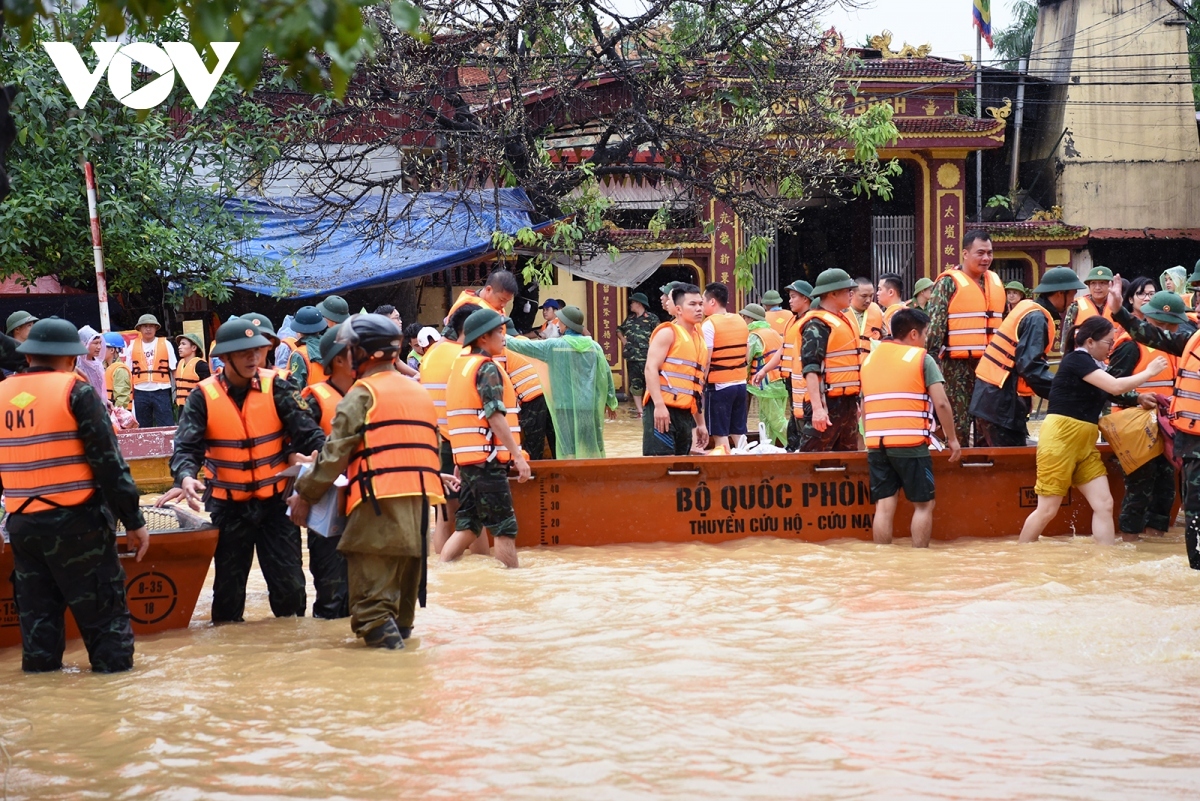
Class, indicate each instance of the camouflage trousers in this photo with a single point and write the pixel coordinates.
(1191, 508)
(1149, 495)
(72, 567)
(959, 383)
(485, 501)
(328, 568)
(260, 525)
(536, 429)
(382, 587)
(842, 433)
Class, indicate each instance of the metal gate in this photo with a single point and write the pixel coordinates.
(893, 248)
(766, 272)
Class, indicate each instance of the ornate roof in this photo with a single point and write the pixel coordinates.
(1048, 231)
(955, 124)
(909, 68)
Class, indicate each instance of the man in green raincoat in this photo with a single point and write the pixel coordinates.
(773, 398)
(581, 389)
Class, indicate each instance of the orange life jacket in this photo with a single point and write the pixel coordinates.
(1185, 405)
(1163, 383)
(398, 457)
(111, 371)
(771, 342)
(870, 328)
(522, 373)
(435, 374)
(244, 446)
(972, 316)
(327, 397)
(470, 296)
(897, 409)
(186, 378)
(791, 345)
(888, 314)
(291, 342)
(1000, 356)
(42, 464)
(843, 357)
(471, 438)
(1086, 308)
(778, 319)
(316, 373)
(681, 377)
(162, 362)
(731, 336)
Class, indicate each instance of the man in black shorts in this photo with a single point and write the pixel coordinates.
(901, 388)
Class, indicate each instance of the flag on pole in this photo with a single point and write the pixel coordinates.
(982, 17)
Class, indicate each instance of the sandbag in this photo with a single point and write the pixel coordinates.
(1134, 435)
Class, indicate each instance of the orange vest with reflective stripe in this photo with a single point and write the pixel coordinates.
(468, 296)
(791, 345)
(778, 320)
(522, 373)
(42, 464)
(1001, 353)
(771, 342)
(244, 446)
(1086, 307)
(186, 378)
(327, 398)
(1185, 405)
(162, 362)
(109, 372)
(731, 336)
(398, 457)
(871, 327)
(1163, 383)
(435, 373)
(972, 317)
(316, 373)
(897, 409)
(471, 438)
(843, 357)
(681, 377)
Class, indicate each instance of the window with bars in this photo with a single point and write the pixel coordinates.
(893, 248)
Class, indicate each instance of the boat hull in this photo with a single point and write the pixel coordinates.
(809, 497)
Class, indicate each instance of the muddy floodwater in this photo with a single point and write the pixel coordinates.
(757, 669)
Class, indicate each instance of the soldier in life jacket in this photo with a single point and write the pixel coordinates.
(1149, 490)
(763, 345)
(481, 409)
(901, 392)
(191, 368)
(236, 433)
(726, 336)
(829, 361)
(305, 362)
(384, 438)
(675, 364)
(64, 482)
(799, 302)
(776, 315)
(1014, 366)
(1014, 293)
(151, 360)
(1098, 281)
(499, 290)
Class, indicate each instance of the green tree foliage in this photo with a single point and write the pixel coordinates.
(1016, 41)
(162, 178)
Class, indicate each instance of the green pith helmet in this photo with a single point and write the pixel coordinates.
(802, 287)
(754, 311)
(1015, 286)
(572, 318)
(334, 308)
(638, 297)
(18, 319)
(772, 298)
(309, 320)
(238, 334)
(53, 337)
(1166, 307)
(195, 340)
(482, 322)
(330, 347)
(832, 280)
(1059, 279)
(1192, 281)
(262, 323)
(668, 288)
(921, 285)
(148, 319)
(1099, 274)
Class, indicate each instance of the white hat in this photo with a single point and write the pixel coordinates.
(427, 336)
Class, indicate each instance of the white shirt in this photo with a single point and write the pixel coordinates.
(710, 335)
(149, 349)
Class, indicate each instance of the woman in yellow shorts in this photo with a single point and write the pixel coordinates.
(1067, 455)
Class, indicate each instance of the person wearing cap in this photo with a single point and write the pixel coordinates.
(581, 388)
(64, 481)
(420, 338)
(726, 338)
(1192, 298)
(777, 316)
(1015, 292)
(1067, 455)
(965, 309)
(334, 309)
(499, 290)
(921, 292)
(799, 303)
(666, 293)
(890, 296)
(151, 360)
(551, 327)
(675, 364)
(246, 424)
(1149, 490)
(304, 364)
(263, 325)
(19, 323)
(118, 381)
(1015, 363)
(485, 437)
(830, 358)
(537, 429)
(763, 344)
(1098, 281)
(191, 368)
(635, 332)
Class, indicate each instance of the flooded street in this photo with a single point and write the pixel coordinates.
(756, 669)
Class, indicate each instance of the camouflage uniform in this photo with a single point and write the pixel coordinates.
(67, 557)
(296, 366)
(637, 331)
(1149, 490)
(484, 499)
(842, 433)
(959, 373)
(258, 524)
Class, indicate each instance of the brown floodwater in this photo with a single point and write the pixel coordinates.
(757, 669)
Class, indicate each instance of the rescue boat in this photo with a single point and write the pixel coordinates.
(811, 497)
(148, 452)
(161, 590)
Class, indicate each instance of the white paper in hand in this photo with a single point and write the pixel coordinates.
(326, 518)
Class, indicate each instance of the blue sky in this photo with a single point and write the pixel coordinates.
(945, 24)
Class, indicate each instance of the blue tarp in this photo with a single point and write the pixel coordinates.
(439, 231)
